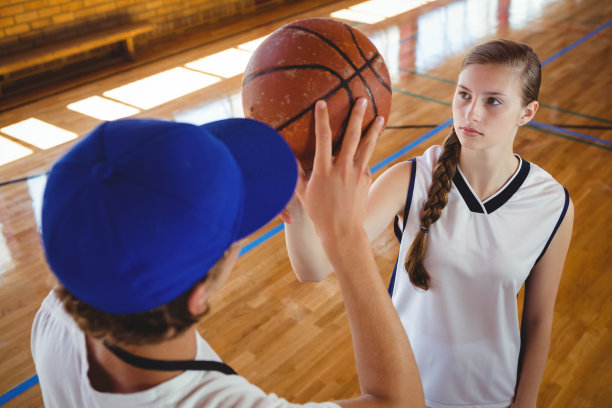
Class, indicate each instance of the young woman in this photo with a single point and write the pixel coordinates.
(478, 222)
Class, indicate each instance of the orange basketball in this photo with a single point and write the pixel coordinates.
(308, 60)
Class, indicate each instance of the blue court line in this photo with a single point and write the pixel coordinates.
(575, 136)
(448, 81)
(435, 78)
(24, 386)
(568, 137)
(575, 113)
(432, 132)
(21, 388)
(405, 149)
(571, 132)
(262, 239)
(575, 44)
(425, 98)
(572, 20)
(415, 35)
(6, 183)
(373, 169)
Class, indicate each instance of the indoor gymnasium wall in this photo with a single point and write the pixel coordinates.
(27, 24)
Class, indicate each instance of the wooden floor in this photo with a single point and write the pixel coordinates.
(293, 339)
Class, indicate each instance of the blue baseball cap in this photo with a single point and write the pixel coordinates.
(139, 210)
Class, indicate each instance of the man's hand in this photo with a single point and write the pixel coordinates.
(335, 195)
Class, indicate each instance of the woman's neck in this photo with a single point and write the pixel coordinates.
(107, 373)
(487, 172)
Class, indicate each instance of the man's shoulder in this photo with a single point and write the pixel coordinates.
(203, 389)
(51, 317)
(59, 353)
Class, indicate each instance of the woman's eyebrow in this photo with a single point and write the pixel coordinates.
(494, 93)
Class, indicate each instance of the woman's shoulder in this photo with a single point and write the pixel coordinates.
(539, 177)
(398, 176)
(428, 160)
(542, 190)
(432, 153)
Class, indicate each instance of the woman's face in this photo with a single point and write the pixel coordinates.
(487, 106)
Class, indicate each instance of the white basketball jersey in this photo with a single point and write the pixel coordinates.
(464, 330)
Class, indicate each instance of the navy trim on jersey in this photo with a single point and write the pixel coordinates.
(396, 228)
(410, 191)
(472, 202)
(505, 195)
(500, 199)
(561, 217)
(392, 281)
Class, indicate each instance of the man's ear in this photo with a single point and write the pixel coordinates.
(196, 303)
(529, 112)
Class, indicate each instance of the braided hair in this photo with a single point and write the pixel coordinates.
(496, 52)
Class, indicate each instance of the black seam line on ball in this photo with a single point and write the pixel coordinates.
(327, 41)
(343, 84)
(382, 81)
(289, 67)
(369, 64)
(363, 81)
(330, 43)
(348, 60)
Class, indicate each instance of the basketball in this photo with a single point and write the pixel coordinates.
(308, 60)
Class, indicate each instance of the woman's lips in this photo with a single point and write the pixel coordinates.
(469, 131)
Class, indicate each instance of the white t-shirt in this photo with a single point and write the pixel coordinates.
(60, 355)
(464, 330)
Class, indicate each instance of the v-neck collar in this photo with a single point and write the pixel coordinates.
(498, 199)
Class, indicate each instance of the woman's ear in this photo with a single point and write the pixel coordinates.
(529, 112)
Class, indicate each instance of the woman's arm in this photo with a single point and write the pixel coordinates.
(538, 307)
(308, 260)
(386, 198)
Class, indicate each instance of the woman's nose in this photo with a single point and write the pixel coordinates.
(473, 111)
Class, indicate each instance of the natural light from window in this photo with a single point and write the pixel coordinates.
(11, 151)
(357, 16)
(102, 108)
(252, 45)
(6, 260)
(39, 133)
(226, 64)
(373, 11)
(160, 88)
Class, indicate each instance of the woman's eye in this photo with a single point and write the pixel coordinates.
(493, 101)
(464, 95)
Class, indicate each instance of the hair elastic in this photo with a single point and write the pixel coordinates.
(425, 230)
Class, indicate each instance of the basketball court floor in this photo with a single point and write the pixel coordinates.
(291, 338)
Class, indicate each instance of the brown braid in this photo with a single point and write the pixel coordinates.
(497, 52)
(437, 197)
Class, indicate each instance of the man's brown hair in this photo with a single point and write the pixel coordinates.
(151, 327)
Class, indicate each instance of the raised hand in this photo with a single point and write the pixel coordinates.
(335, 195)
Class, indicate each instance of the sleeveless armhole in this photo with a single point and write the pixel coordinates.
(399, 231)
(561, 217)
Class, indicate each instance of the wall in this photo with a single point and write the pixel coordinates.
(26, 24)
